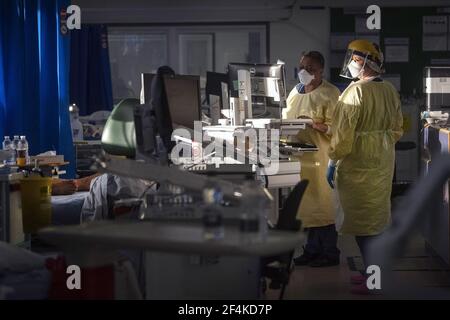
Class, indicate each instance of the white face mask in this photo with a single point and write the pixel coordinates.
(355, 68)
(304, 77)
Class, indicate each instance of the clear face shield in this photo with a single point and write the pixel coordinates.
(354, 64)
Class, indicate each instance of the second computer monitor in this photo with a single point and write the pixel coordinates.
(183, 97)
(216, 85)
(267, 81)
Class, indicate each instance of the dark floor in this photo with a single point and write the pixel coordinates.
(418, 275)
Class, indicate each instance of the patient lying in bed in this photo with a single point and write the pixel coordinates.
(91, 198)
(62, 187)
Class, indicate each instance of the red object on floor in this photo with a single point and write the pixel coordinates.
(358, 279)
(360, 289)
(97, 283)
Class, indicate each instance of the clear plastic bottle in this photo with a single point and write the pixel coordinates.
(15, 145)
(22, 152)
(6, 143)
(213, 224)
(253, 217)
(75, 123)
(7, 146)
(27, 148)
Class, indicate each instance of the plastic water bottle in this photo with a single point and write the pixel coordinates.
(27, 148)
(15, 145)
(213, 228)
(253, 217)
(22, 152)
(6, 143)
(75, 123)
(7, 146)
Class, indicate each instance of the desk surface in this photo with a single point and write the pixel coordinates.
(168, 237)
(48, 164)
(88, 142)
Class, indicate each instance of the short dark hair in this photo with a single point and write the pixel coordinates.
(316, 56)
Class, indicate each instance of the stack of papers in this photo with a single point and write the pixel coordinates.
(48, 159)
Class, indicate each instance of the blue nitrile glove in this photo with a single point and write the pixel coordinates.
(330, 173)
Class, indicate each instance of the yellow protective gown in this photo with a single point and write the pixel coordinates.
(316, 208)
(367, 123)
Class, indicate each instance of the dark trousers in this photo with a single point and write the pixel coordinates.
(363, 242)
(322, 241)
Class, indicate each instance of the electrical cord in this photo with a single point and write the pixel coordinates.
(146, 189)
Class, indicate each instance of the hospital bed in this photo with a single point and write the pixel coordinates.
(66, 210)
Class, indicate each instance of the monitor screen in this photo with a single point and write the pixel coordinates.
(183, 97)
(145, 132)
(214, 84)
(267, 82)
(146, 87)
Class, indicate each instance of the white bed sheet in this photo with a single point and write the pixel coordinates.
(66, 210)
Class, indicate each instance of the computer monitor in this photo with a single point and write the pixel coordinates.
(267, 83)
(146, 82)
(183, 97)
(149, 144)
(145, 127)
(152, 119)
(216, 85)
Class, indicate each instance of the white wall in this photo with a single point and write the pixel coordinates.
(182, 11)
(381, 3)
(306, 30)
(226, 53)
(292, 30)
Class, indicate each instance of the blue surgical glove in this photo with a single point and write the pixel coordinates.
(330, 173)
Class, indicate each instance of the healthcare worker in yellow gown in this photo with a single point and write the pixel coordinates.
(315, 98)
(367, 123)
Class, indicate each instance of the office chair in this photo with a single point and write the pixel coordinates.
(278, 268)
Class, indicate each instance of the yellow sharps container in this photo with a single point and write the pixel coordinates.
(36, 203)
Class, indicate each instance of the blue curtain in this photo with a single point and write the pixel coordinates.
(2, 79)
(34, 76)
(90, 73)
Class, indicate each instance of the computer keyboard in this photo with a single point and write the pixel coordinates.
(221, 169)
(297, 147)
(188, 213)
